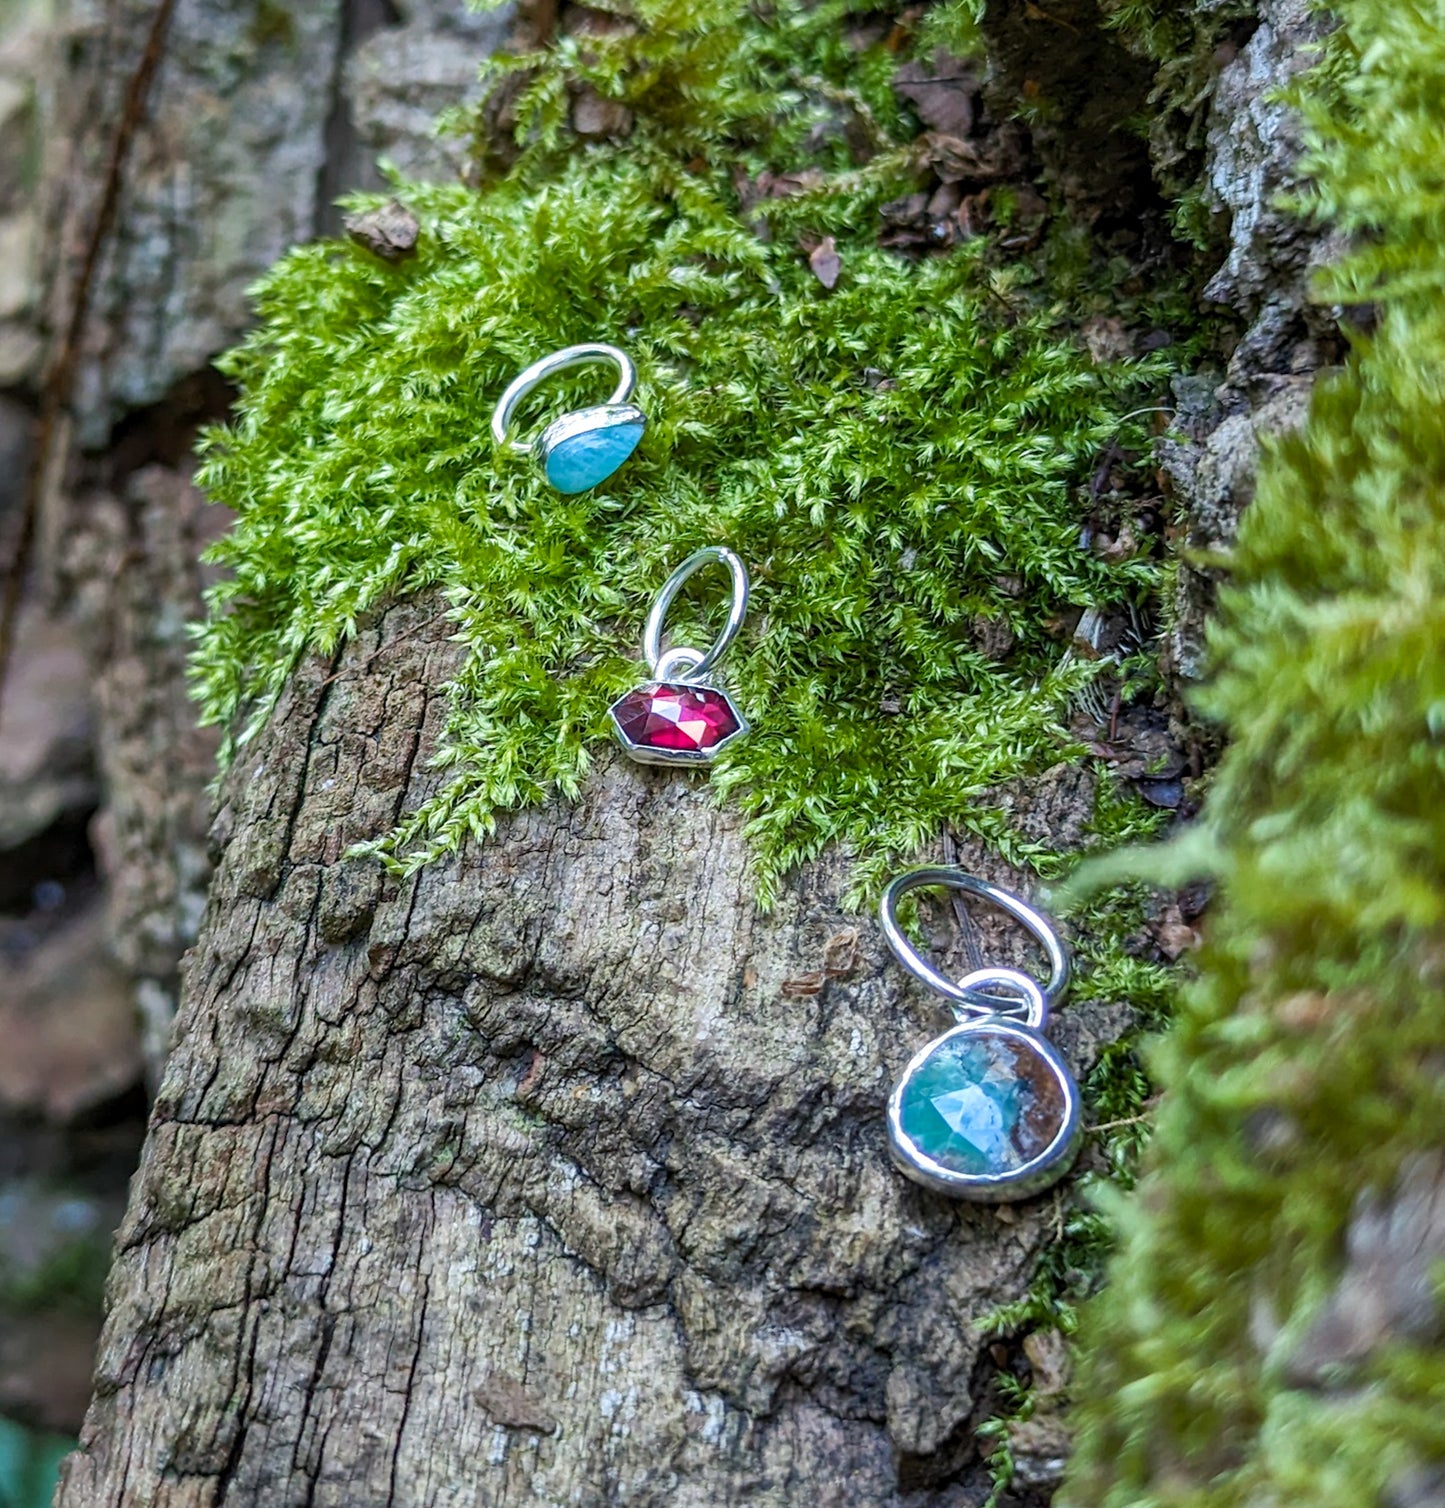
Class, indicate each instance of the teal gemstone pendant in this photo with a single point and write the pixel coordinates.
(988, 1111)
(582, 449)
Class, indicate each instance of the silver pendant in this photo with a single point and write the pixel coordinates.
(681, 716)
(988, 1111)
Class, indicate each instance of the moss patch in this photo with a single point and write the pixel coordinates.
(900, 460)
(1305, 1071)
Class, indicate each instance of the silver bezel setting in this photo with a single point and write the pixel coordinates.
(693, 758)
(582, 421)
(1034, 1176)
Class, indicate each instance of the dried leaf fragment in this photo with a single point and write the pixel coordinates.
(825, 262)
(598, 118)
(943, 93)
(389, 232)
(954, 159)
(1173, 934)
(840, 953)
(804, 986)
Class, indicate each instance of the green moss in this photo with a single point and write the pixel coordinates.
(953, 25)
(893, 459)
(1304, 1070)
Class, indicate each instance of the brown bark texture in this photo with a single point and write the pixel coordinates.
(555, 1175)
(154, 159)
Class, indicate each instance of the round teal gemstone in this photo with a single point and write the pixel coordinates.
(982, 1101)
(582, 461)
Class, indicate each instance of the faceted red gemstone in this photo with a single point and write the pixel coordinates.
(675, 717)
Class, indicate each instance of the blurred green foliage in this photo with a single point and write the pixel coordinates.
(1304, 1073)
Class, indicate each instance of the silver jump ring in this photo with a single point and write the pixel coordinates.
(538, 373)
(965, 992)
(695, 665)
(1030, 1007)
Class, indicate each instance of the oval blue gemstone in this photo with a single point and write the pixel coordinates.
(582, 461)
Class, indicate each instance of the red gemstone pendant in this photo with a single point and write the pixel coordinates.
(679, 716)
(675, 722)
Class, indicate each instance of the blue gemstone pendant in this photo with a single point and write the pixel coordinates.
(988, 1111)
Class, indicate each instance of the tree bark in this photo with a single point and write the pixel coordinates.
(553, 1175)
(1251, 163)
(154, 159)
(189, 145)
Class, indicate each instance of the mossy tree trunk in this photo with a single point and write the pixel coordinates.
(554, 1174)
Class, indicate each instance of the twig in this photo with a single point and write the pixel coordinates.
(1111, 453)
(1035, 11)
(967, 927)
(1132, 1120)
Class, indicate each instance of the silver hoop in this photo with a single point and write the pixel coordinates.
(988, 1111)
(549, 366)
(582, 448)
(696, 664)
(964, 993)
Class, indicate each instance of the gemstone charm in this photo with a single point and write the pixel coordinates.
(667, 722)
(987, 1111)
(680, 716)
(582, 449)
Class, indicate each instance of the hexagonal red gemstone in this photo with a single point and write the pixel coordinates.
(675, 717)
